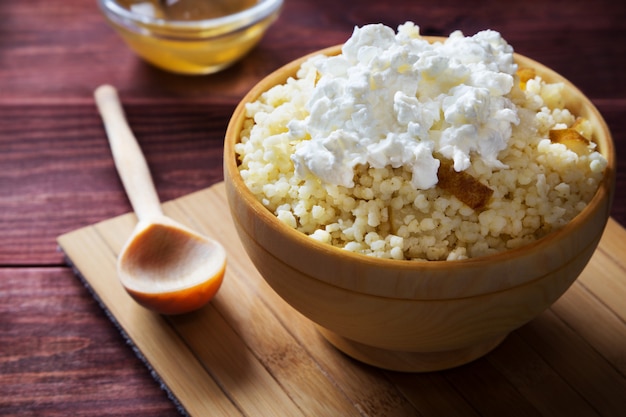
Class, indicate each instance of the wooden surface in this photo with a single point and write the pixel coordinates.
(59, 353)
(249, 353)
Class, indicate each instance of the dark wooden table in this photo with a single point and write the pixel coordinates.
(59, 353)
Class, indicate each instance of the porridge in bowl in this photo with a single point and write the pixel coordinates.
(405, 149)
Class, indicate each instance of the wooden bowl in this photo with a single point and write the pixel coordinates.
(416, 316)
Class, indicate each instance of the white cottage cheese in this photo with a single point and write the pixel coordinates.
(349, 151)
(393, 100)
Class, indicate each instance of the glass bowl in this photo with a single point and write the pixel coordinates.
(190, 46)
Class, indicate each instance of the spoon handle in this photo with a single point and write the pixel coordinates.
(129, 160)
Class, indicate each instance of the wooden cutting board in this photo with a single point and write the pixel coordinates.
(249, 353)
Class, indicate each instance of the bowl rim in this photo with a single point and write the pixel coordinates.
(259, 11)
(605, 188)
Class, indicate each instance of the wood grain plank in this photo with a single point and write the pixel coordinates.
(613, 111)
(432, 394)
(57, 174)
(611, 287)
(572, 357)
(536, 380)
(590, 318)
(150, 333)
(547, 31)
(60, 355)
(480, 383)
(225, 357)
(613, 242)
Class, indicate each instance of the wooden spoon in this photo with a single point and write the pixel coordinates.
(164, 266)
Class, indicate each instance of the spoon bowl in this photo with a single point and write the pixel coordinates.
(165, 266)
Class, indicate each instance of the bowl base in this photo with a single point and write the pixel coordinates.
(409, 361)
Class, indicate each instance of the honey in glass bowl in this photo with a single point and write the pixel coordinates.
(191, 36)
